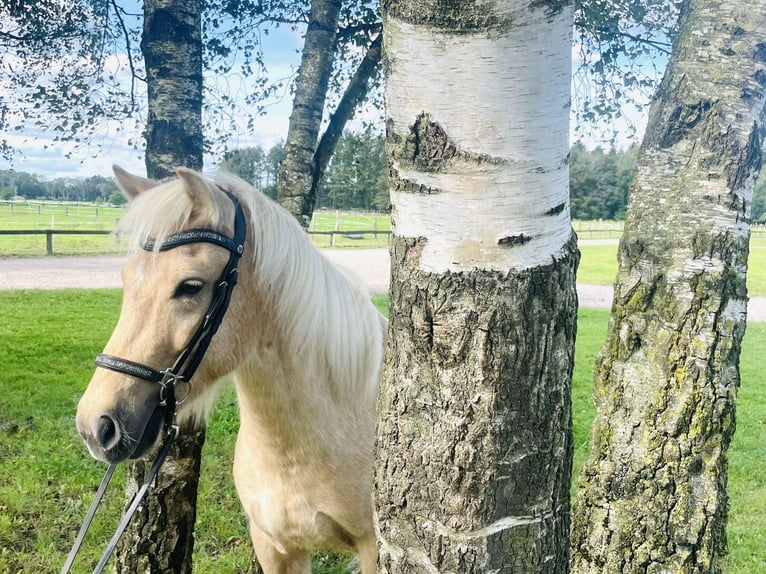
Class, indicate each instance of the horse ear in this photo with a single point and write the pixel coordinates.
(197, 188)
(131, 184)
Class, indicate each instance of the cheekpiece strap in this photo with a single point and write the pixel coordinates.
(127, 367)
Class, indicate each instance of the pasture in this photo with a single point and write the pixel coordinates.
(48, 340)
(597, 267)
(75, 216)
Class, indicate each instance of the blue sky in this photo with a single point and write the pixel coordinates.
(41, 155)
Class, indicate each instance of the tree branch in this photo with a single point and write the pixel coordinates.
(128, 51)
(351, 30)
(663, 47)
(356, 90)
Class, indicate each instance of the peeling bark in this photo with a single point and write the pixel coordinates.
(473, 457)
(652, 495)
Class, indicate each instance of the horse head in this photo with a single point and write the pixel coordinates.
(168, 291)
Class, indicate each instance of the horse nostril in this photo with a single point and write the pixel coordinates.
(107, 433)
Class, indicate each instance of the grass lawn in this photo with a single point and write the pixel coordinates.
(47, 343)
(598, 265)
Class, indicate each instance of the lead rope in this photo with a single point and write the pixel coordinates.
(88, 519)
(170, 436)
(137, 499)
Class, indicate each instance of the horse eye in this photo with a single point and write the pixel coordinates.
(189, 288)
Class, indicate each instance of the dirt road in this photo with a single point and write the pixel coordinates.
(371, 264)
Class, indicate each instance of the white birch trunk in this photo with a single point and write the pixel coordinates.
(474, 436)
(502, 100)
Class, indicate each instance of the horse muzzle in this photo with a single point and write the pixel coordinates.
(116, 434)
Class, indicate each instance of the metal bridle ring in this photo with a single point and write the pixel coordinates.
(169, 379)
(181, 398)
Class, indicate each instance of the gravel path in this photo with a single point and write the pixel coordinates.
(370, 264)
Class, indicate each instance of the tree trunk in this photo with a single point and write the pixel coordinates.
(160, 538)
(474, 433)
(296, 171)
(172, 49)
(652, 495)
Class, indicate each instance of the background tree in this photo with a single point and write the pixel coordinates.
(160, 538)
(474, 438)
(357, 175)
(256, 166)
(652, 495)
(599, 181)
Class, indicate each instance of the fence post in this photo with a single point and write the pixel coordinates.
(49, 241)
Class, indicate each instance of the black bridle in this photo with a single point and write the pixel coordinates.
(182, 370)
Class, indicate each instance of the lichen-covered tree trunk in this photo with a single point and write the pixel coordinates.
(474, 433)
(160, 538)
(297, 168)
(652, 495)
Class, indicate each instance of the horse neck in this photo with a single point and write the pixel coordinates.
(319, 324)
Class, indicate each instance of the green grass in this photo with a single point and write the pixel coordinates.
(47, 343)
(598, 265)
(349, 222)
(42, 215)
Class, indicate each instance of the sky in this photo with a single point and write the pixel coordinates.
(47, 158)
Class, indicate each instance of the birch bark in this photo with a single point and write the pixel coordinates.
(474, 432)
(160, 538)
(652, 495)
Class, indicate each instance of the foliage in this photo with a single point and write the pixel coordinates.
(759, 200)
(599, 181)
(60, 78)
(623, 48)
(30, 186)
(356, 179)
(356, 176)
(256, 166)
(75, 65)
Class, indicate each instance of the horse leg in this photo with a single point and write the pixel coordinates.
(273, 561)
(368, 554)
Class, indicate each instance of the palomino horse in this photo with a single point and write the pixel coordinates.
(304, 344)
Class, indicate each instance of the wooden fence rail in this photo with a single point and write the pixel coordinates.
(49, 233)
(349, 233)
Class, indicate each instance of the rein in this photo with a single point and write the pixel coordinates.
(182, 370)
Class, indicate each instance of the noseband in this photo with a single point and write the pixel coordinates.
(182, 370)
